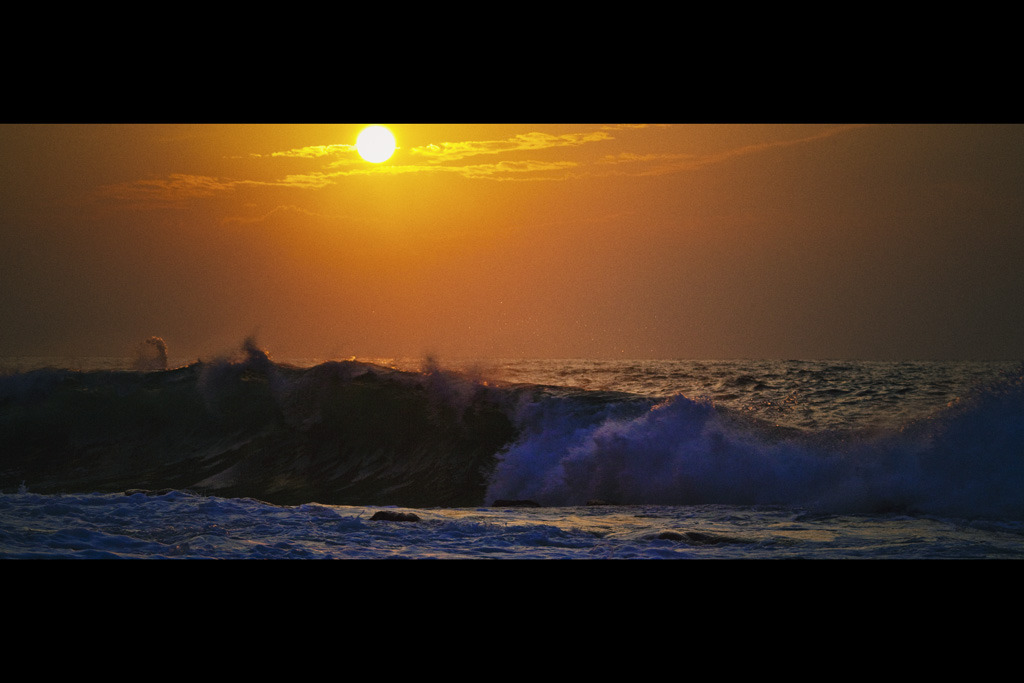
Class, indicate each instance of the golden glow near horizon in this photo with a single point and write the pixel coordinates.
(376, 144)
(491, 240)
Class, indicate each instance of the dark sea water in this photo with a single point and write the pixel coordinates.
(254, 457)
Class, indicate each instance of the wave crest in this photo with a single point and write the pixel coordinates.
(350, 432)
(965, 461)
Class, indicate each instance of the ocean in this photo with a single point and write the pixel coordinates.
(254, 457)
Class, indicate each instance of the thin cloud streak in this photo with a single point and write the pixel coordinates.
(172, 190)
(663, 164)
(454, 151)
(311, 152)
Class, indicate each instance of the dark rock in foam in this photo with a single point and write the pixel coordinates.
(390, 516)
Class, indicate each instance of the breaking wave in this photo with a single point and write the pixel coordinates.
(355, 433)
(967, 460)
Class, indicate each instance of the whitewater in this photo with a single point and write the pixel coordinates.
(250, 457)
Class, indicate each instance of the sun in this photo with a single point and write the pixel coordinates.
(375, 144)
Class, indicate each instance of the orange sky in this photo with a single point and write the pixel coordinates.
(515, 240)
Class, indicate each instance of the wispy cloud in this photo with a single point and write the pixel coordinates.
(662, 164)
(499, 170)
(534, 141)
(311, 152)
(286, 209)
(338, 161)
(174, 189)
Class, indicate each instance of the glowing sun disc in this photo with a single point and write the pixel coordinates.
(375, 144)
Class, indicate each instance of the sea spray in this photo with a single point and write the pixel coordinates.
(967, 460)
(151, 355)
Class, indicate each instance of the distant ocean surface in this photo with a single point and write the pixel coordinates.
(260, 457)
